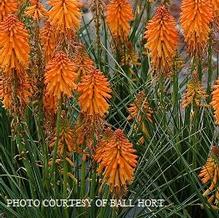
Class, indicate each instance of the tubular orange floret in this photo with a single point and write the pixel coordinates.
(88, 129)
(215, 4)
(117, 161)
(49, 41)
(141, 111)
(50, 103)
(195, 93)
(215, 101)
(5, 90)
(64, 14)
(140, 108)
(118, 16)
(65, 140)
(195, 18)
(50, 106)
(14, 47)
(162, 38)
(210, 174)
(7, 7)
(94, 90)
(60, 76)
(36, 10)
(83, 63)
(15, 98)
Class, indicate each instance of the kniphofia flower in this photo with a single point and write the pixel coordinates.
(87, 129)
(36, 10)
(195, 18)
(118, 16)
(215, 4)
(215, 101)
(141, 111)
(5, 91)
(49, 41)
(14, 46)
(209, 174)
(162, 38)
(129, 57)
(7, 7)
(83, 63)
(50, 103)
(15, 98)
(64, 14)
(65, 140)
(140, 108)
(60, 76)
(117, 161)
(94, 90)
(195, 93)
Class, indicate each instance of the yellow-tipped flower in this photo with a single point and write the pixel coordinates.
(94, 90)
(162, 38)
(196, 16)
(14, 47)
(60, 76)
(118, 16)
(215, 101)
(36, 11)
(210, 174)
(7, 7)
(195, 93)
(64, 14)
(117, 161)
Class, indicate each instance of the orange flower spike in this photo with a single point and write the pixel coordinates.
(117, 161)
(215, 101)
(94, 90)
(23, 91)
(86, 128)
(6, 91)
(65, 139)
(60, 76)
(209, 174)
(140, 108)
(83, 63)
(162, 38)
(64, 14)
(49, 41)
(50, 104)
(194, 93)
(14, 47)
(195, 18)
(7, 7)
(36, 10)
(118, 16)
(215, 4)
